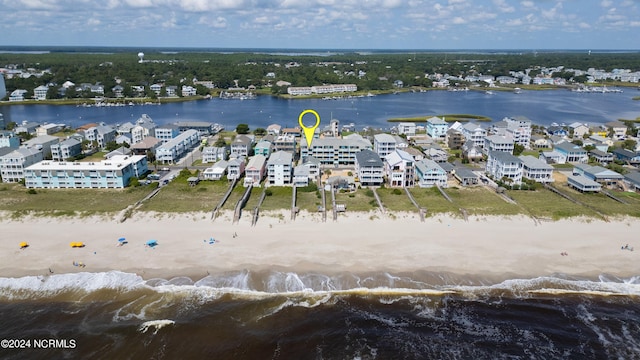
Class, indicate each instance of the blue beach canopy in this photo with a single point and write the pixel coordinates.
(122, 239)
(152, 243)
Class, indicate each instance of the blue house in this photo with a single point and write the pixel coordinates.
(571, 153)
(437, 128)
(626, 155)
(557, 131)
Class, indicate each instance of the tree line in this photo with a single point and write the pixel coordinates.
(375, 71)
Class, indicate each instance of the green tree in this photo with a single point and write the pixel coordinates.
(220, 142)
(242, 129)
(629, 144)
(260, 132)
(517, 149)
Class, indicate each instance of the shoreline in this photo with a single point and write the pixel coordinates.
(488, 247)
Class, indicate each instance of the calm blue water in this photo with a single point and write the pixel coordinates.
(542, 107)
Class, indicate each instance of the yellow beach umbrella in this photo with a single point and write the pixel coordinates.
(23, 245)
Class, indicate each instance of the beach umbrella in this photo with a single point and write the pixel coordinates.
(122, 239)
(23, 245)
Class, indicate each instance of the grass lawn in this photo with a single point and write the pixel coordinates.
(356, 201)
(433, 201)
(235, 195)
(308, 200)
(254, 197)
(178, 196)
(14, 197)
(280, 198)
(603, 203)
(394, 201)
(481, 201)
(546, 204)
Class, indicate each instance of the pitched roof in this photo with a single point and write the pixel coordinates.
(368, 158)
(504, 157)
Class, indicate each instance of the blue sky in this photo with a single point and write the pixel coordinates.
(327, 24)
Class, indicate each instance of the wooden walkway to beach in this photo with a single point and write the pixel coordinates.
(256, 209)
(214, 212)
(422, 211)
(237, 212)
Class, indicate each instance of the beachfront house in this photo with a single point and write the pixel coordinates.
(465, 176)
(570, 153)
(384, 144)
(14, 161)
(475, 133)
(536, 169)
(211, 154)
(583, 184)
(429, 173)
(505, 167)
(113, 173)
(235, 168)
(173, 150)
(437, 128)
(407, 128)
(280, 168)
(632, 181)
(216, 172)
(66, 149)
(335, 151)
(301, 176)
(255, 170)
(605, 177)
(399, 169)
(498, 143)
(313, 165)
(369, 168)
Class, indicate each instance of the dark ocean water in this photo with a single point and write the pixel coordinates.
(277, 315)
(542, 107)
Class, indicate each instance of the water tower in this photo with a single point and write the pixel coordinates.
(141, 57)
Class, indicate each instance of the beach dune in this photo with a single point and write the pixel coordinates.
(498, 247)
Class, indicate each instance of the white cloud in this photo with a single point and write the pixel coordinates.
(503, 6)
(458, 20)
(528, 4)
(606, 3)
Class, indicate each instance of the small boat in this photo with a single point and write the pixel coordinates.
(517, 91)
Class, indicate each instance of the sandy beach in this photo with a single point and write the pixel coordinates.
(500, 247)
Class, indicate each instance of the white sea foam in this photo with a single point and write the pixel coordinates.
(247, 284)
(157, 324)
(12, 288)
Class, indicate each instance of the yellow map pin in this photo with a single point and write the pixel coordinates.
(309, 131)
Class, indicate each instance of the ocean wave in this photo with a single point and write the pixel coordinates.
(264, 284)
